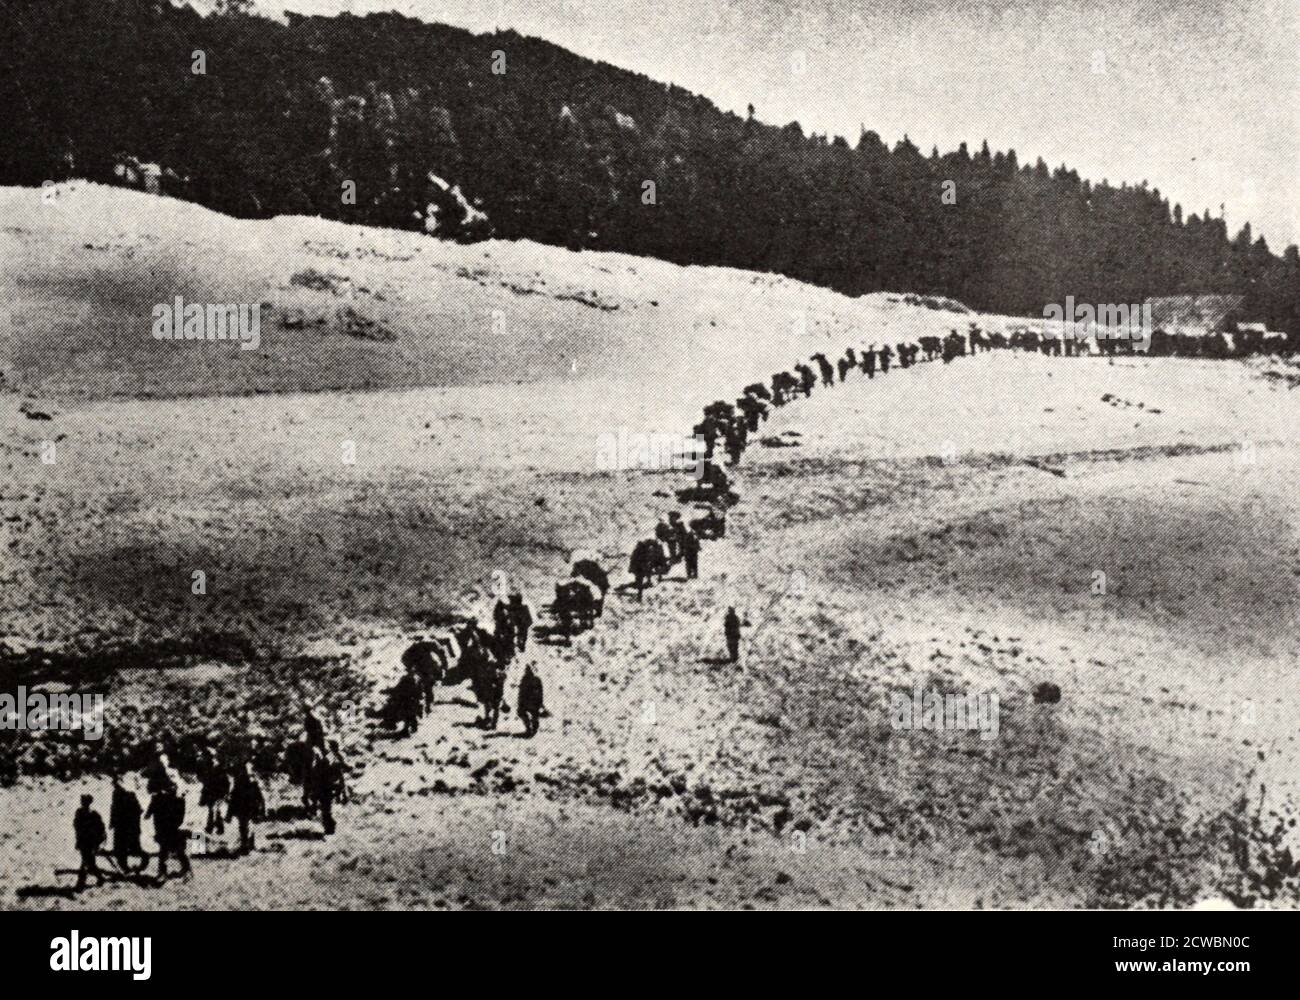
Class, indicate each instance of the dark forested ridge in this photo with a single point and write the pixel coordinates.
(558, 148)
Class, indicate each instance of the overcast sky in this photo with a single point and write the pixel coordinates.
(1199, 97)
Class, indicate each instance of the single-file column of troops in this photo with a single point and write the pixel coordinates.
(465, 651)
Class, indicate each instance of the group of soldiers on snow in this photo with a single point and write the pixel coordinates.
(467, 651)
(229, 792)
(731, 424)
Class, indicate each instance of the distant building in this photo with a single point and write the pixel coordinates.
(1259, 335)
(1195, 315)
(1212, 326)
(145, 176)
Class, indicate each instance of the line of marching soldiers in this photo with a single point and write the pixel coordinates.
(580, 599)
(466, 651)
(730, 425)
(674, 541)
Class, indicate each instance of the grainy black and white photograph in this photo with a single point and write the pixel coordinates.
(627, 455)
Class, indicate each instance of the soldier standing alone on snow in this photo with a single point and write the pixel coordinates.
(530, 701)
(731, 628)
(691, 553)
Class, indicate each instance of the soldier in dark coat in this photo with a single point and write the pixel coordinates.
(521, 617)
(679, 530)
(297, 758)
(493, 689)
(691, 553)
(752, 409)
(425, 660)
(406, 712)
(215, 787)
(530, 701)
(664, 533)
(157, 775)
(167, 808)
(707, 431)
(731, 629)
(807, 380)
(324, 786)
(737, 437)
(314, 729)
(88, 827)
(247, 805)
(124, 814)
(503, 632)
(564, 607)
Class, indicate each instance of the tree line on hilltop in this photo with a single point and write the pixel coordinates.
(559, 149)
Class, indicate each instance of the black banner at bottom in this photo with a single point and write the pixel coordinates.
(342, 950)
